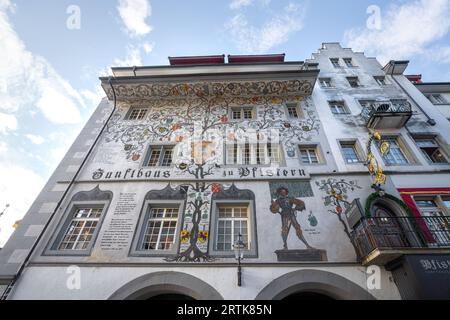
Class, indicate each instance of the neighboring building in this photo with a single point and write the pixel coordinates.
(180, 160)
(438, 93)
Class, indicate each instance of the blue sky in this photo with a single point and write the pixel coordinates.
(49, 72)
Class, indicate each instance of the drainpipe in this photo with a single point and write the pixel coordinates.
(430, 121)
(10, 286)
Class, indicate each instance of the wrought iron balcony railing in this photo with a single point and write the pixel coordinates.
(387, 114)
(401, 233)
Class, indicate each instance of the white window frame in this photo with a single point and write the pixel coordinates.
(355, 146)
(308, 148)
(400, 146)
(241, 110)
(348, 63)
(325, 83)
(436, 145)
(235, 153)
(381, 80)
(296, 107)
(335, 62)
(337, 105)
(353, 78)
(163, 219)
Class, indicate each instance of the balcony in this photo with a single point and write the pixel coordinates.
(386, 115)
(382, 240)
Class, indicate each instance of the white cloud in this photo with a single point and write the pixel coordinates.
(406, 30)
(28, 80)
(17, 194)
(276, 31)
(93, 96)
(8, 122)
(133, 14)
(237, 4)
(148, 47)
(3, 147)
(36, 139)
(133, 58)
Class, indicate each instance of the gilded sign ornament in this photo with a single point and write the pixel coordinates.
(375, 169)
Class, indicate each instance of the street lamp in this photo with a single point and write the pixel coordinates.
(239, 255)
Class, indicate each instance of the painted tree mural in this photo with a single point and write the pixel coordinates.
(337, 199)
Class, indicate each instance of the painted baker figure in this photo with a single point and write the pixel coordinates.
(287, 206)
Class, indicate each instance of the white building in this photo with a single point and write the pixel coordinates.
(180, 160)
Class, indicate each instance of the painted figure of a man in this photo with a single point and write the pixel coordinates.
(287, 206)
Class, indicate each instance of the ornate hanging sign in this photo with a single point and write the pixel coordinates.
(375, 168)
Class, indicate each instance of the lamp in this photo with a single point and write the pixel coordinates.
(239, 255)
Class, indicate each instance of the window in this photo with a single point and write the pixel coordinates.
(381, 80)
(292, 110)
(82, 226)
(253, 153)
(309, 154)
(366, 103)
(436, 98)
(353, 81)
(349, 151)
(136, 113)
(335, 62)
(160, 228)
(242, 113)
(430, 149)
(325, 82)
(349, 62)
(395, 155)
(337, 107)
(436, 211)
(232, 220)
(159, 156)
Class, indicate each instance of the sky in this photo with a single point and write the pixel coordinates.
(53, 51)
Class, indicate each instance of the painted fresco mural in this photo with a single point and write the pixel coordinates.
(199, 123)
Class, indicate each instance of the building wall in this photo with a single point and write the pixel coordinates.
(115, 173)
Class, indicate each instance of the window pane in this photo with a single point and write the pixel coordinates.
(167, 156)
(154, 157)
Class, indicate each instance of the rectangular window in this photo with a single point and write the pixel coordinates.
(309, 155)
(137, 113)
(395, 155)
(353, 81)
(292, 110)
(242, 113)
(232, 220)
(380, 80)
(80, 231)
(325, 82)
(252, 153)
(335, 62)
(349, 151)
(430, 149)
(349, 62)
(337, 107)
(436, 98)
(159, 156)
(160, 228)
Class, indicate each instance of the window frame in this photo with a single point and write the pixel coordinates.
(326, 80)
(319, 155)
(381, 78)
(130, 111)
(336, 103)
(433, 100)
(251, 227)
(239, 149)
(64, 223)
(297, 110)
(406, 152)
(356, 78)
(163, 148)
(136, 244)
(351, 65)
(439, 147)
(356, 148)
(241, 111)
(336, 65)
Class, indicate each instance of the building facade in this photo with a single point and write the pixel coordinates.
(330, 177)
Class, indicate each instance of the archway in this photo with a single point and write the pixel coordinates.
(165, 285)
(308, 295)
(315, 283)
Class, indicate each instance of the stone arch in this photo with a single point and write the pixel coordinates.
(317, 281)
(164, 282)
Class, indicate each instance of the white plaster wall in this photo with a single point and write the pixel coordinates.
(49, 283)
